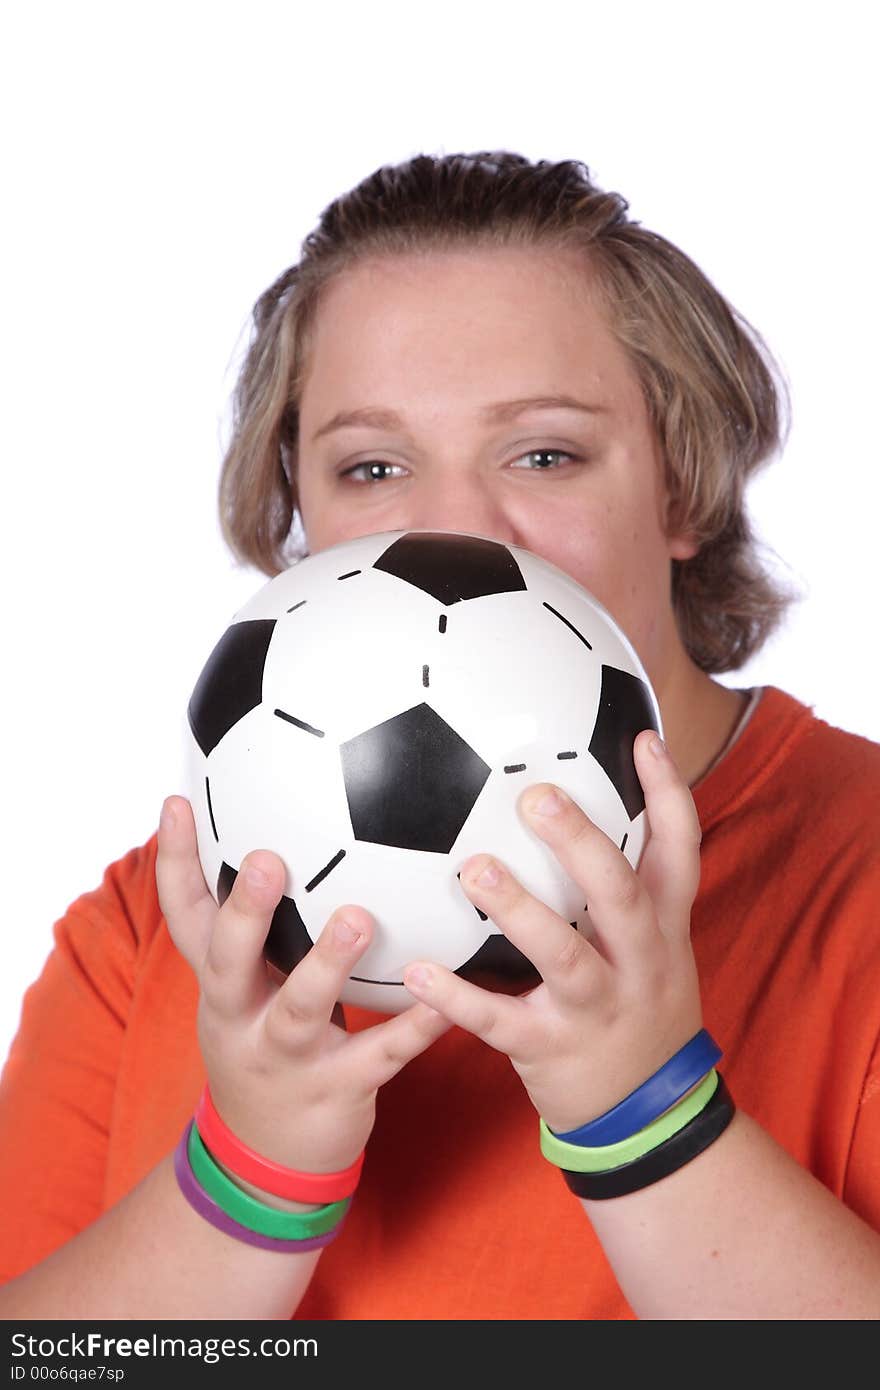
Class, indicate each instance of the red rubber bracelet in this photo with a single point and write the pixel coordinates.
(263, 1172)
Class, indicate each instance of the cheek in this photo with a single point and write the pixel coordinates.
(590, 552)
(324, 522)
(625, 567)
(329, 529)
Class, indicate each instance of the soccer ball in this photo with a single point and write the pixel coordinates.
(372, 715)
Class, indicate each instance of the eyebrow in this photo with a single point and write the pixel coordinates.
(373, 417)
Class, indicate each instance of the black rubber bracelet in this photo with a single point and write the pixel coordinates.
(667, 1158)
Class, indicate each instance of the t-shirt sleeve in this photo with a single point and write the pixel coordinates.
(57, 1086)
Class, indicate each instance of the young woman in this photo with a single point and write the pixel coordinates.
(483, 344)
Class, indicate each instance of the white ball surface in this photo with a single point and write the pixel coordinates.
(372, 716)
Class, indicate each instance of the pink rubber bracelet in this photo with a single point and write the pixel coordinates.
(263, 1172)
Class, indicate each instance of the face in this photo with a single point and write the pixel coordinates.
(483, 391)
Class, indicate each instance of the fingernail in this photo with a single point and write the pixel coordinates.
(549, 805)
(657, 746)
(489, 877)
(167, 818)
(419, 977)
(345, 934)
(256, 876)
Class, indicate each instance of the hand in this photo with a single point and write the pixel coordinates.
(613, 1007)
(287, 1080)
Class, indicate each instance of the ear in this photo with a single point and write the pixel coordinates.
(683, 547)
(682, 542)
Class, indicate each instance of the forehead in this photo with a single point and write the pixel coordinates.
(471, 322)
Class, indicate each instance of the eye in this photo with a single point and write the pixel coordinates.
(544, 460)
(373, 471)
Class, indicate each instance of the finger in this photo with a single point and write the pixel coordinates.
(620, 909)
(304, 1006)
(233, 978)
(184, 897)
(497, 1019)
(382, 1050)
(670, 863)
(570, 967)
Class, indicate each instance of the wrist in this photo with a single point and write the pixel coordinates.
(225, 1204)
(268, 1199)
(250, 1171)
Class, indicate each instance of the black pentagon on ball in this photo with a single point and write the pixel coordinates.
(500, 966)
(231, 683)
(625, 708)
(411, 781)
(288, 939)
(452, 567)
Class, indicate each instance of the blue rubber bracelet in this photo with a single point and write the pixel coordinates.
(689, 1065)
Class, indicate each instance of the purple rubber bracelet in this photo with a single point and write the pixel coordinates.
(206, 1207)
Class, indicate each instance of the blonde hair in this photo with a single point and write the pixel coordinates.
(716, 398)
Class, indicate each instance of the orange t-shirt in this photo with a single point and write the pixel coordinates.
(458, 1216)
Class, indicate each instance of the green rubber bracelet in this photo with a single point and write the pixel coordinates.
(578, 1159)
(256, 1216)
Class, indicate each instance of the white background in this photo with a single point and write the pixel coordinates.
(162, 163)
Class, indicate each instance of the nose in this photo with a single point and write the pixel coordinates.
(459, 501)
